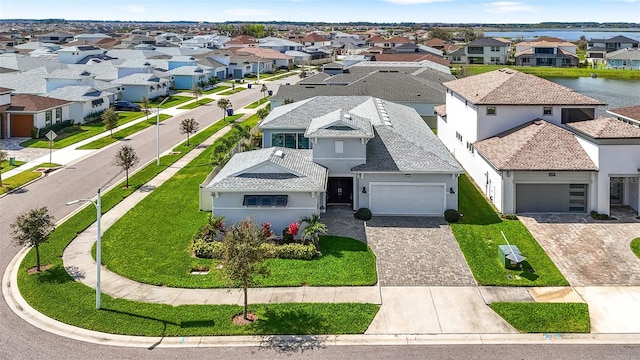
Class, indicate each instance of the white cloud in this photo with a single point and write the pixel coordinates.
(414, 2)
(503, 7)
(135, 9)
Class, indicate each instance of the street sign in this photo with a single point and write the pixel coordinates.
(51, 135)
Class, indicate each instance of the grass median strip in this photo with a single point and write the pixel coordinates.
(532, 317)
(216, 89)
(195, 104)
(6, 167)
(233, 91)
(23, 177)
(257, 103)
(174, 100)
(478, 234)
(82, 132)
(121, 134)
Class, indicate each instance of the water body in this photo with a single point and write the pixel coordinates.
(615, 93)
(568, 34)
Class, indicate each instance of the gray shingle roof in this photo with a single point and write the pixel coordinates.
(254, 171)
(338, 124)
(606, 128)
(487, 41)
(505, 87)
(77, 93)
(536, 145)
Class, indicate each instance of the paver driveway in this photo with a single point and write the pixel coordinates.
(588, 252)
(417, 251)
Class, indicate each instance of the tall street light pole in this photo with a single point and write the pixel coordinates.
(158, 130)
(97, 204)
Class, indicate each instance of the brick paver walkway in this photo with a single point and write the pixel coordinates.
(588, 252)
(417, 251)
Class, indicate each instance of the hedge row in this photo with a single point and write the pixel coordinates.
(215, 250)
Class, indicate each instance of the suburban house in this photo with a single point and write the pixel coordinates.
(351, 151)
(378, 41)
(314, 39)
(55, 37)
(280, 45)
(482, 51)
(546, 52)
(188, 77)
(539, 150)
(628, 58)
(26, 111)
(417, 87)
(84, 100)
(276, 58)
(598, 48)
(136, 86)
(241, 41)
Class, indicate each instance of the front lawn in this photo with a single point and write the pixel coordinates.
(23, 177)
(478, 234)
(121, 134)
(174, 100)
(85, 131)
(532, 317)
(195, 104)
(216, 89)
(635, 246)
(6, 167)
(151, 247)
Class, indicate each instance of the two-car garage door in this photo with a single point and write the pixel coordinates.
(407, 199)
(550, 198)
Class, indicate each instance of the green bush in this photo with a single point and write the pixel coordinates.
(289, 251)
(207, 250)
(363, 214)
(452, 215)
(57, 127)
(211, 231)
(510, 216)
(596, 216)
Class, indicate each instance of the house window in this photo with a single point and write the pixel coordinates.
(569, 115)
(491, 110)
(547, 110)
(339, 145)
(265, 200)
(526, 60)
(495, 59)
(290, 140)
(495, 48)
(47, 118)
(97, 102)
(459, 137)
(58, 115)
(457, 58)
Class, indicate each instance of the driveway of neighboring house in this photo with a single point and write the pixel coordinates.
(589, 252)
(417, 251)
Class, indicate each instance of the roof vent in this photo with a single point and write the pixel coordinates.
(279, 153)
(347, 116)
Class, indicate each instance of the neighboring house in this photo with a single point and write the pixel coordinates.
(487, 51)
(314, 39)
(188, 77)
(598, 48)
(378, 41)
(348, 46)
(74, 54)
(84, 100)
(539, 150)
(28, 111)
(280, 45)
(546, 53)
(458, 56)
(354, 151)
(134, 87)
(276, 58)
(417, 87)
(299, 57)
(91, 38)
(240, 64)
(628, 59)
(55, 37)
(241, 41)
(628, 114)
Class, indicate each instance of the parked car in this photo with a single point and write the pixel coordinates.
(126, 105)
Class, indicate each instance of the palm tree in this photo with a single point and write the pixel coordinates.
(224, 104)
(313, 230)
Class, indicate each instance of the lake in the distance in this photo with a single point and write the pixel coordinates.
(615, 93)
(568, 35)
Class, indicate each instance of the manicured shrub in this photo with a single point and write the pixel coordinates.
(597, 216)
(363, 214)
(509, 216)
(287, 238)
(289, 251)
(207, 250)
(211, 231)
(452, 215)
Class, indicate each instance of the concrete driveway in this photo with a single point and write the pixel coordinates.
(588, 252)
(417, 251)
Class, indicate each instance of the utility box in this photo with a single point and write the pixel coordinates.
(510, 256)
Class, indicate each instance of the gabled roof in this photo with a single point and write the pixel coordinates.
(339, 124)
(33, 103)
(536, 146)
(313, 37)
(264, 53)
(140, 79)
(78, 93)
(487, 41)
(241, 40)
(504, 87)
(411, 57)
(189, 70)
(606, 128)
(271, 169)
(629, 112)
(625, 54)
(616, 39)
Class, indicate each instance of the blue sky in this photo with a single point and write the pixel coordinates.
(447, 11)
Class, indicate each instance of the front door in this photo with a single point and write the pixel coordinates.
(340, 191)
(616, 191)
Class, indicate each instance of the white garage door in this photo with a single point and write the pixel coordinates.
(407, 199)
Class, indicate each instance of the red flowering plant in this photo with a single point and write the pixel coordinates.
(266, 230)
(293, 229)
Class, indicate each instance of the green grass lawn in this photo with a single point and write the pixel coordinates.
(233, 91)
(121, 134)
(195, 104)
(257, 103)
(174, 101)
(216, 89)
(544, 71)
(635, 246)
(86, 131)
(4, 166)
(23, 177)
(528, 317)
(478, 234)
